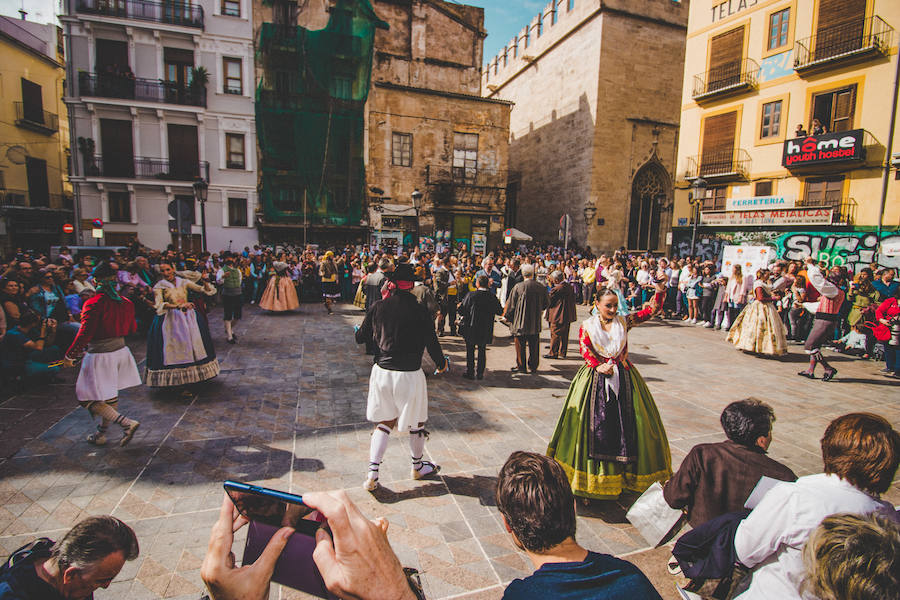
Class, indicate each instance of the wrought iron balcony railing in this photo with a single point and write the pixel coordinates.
(36, 119)
(170, 12)
(731, 78)
(22, 198)
(142, 167)
(135, 88)
(845, 42)
(844, 209)
(459, 185)
(734, 164)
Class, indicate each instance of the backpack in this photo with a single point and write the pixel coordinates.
(38, 549)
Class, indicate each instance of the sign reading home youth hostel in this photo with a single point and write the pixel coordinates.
(759, 202)
(793, 216)
(822, 149)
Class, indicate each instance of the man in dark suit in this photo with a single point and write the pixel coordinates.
(515, 274)
(374, 282)
(524, 308)
(560, 315)
(477, 325)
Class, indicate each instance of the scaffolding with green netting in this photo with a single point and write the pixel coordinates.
(309, 116)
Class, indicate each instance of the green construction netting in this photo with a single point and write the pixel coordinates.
(310, 114)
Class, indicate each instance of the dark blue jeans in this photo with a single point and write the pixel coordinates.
(891, 358)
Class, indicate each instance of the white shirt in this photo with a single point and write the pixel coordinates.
(643, 277)
(771, 539)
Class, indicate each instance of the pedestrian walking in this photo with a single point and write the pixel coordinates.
(560, 315)
(108, 366)
(476, 325)
(230, 278)
(330, 287)
(524, 310)
(398, 393)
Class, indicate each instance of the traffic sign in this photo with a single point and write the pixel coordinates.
(507, 233)
(97, 223)
(68, 228)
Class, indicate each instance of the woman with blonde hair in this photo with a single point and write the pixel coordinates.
(853, 557)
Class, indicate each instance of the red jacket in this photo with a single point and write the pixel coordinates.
(889, 309)
(102, 318)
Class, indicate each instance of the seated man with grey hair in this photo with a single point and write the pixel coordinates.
(88, 557)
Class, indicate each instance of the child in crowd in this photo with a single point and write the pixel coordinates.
(854, 343)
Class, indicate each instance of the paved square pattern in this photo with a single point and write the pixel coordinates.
(288, 411)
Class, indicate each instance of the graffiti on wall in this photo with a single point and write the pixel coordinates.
(854, 250)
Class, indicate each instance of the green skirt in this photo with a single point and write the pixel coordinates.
(607, 479)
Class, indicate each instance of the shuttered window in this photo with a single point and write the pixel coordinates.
(763, 188)
(824, 191)
(715, 198)
(725, 53)
(839, 27)
(718, 144)
(835, 108)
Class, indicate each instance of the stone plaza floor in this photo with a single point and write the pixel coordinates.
(288, 412)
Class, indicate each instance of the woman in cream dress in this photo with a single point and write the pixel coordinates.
(758, 328)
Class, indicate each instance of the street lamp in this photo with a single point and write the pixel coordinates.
(417, 206)
(590, 211)
(200, 190)
(695, 198)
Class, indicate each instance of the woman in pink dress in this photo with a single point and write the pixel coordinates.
(280, 294)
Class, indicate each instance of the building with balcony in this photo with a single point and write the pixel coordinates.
(160, 93)
(430, 131)
(35, 196)
(786, 110)
(595, 123)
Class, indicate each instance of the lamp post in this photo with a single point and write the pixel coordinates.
(590, 211)
(417, 205)
(200, 190)
(695, 198)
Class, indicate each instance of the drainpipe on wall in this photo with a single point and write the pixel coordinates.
(887, 159)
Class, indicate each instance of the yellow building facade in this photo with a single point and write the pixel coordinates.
(35, 196)
(785, 119)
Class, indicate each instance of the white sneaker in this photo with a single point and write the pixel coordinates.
(693, 321)
(370, 484)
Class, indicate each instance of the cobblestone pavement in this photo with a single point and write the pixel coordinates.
(288, 411)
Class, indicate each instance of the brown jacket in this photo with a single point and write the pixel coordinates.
(562, 305)
(715, 479)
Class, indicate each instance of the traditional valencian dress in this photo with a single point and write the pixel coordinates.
(179, 348)
(609, 437)
(280, 294)
(759, 328)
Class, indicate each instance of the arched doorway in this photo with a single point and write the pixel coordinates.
(649, 191)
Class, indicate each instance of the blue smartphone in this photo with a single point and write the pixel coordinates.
(268, 510)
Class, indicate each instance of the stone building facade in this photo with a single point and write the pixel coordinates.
(594, 131)
(430, 130)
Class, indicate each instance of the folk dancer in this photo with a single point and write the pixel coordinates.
(609, 436)
(827, 314)
(280, 294)
(179, 347)
(398, 395)
(331, 289)
(108, 366)
(231, 279)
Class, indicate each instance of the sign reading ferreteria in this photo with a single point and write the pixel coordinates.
(793, 216)
(759, 202)
(823, 149)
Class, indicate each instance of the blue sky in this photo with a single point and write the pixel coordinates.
(505, 18)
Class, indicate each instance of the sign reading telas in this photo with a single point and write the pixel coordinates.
(826, 148)
(794, 216)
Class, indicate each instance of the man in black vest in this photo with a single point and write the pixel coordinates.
(477, 325)
(401, 329)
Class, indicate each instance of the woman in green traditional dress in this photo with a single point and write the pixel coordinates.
(609, 437)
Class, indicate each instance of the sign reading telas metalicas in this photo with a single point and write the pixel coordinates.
(821, 149)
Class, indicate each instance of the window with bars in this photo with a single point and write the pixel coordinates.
(119, 207)
(231, 8)
(401, 149)
(234, 148)
(763, 188)
(770, 123)
(237, 212)
(465, 156)
(233, 80)
(778, 28)
(715, 198)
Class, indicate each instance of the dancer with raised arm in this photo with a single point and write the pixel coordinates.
(609, 436)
